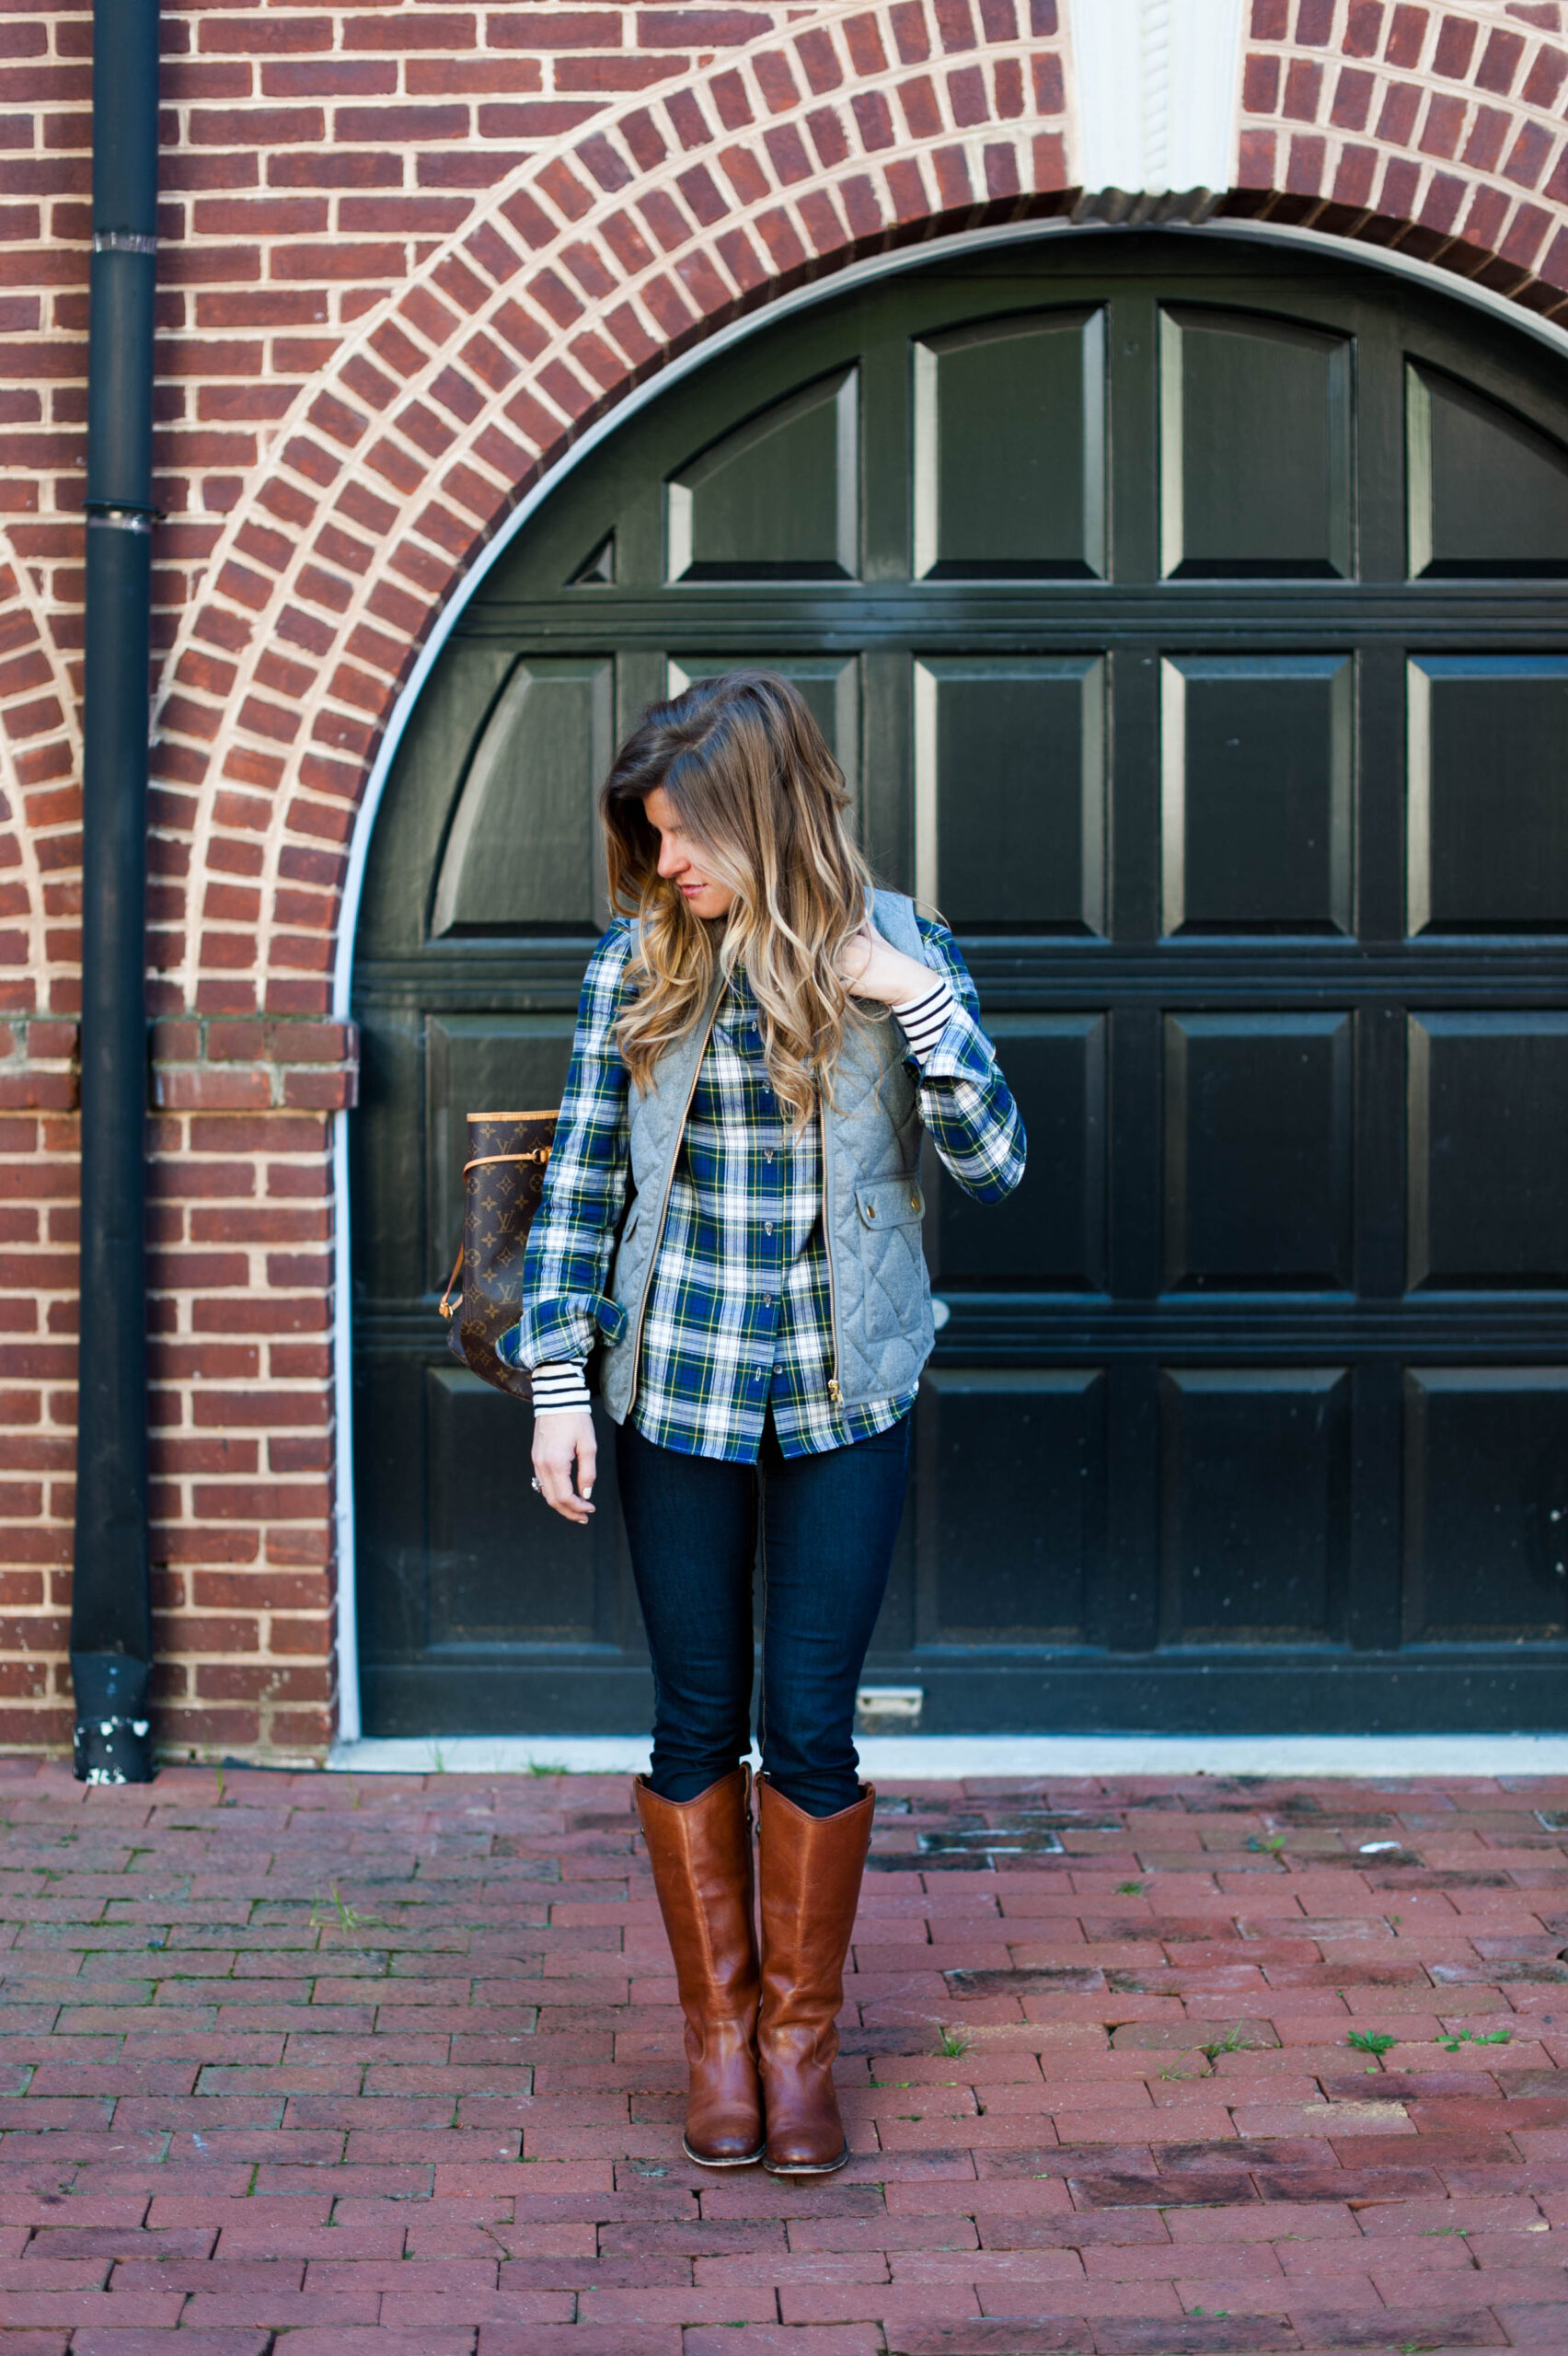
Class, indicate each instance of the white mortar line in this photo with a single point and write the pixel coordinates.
(855, 275)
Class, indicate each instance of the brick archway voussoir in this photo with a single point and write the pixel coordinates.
(40, 839)
(858, 128)
(1439, 133)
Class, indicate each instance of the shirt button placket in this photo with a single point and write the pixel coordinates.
(772, 1229)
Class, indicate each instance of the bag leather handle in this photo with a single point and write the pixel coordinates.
(444, 1304)
(483, 1161)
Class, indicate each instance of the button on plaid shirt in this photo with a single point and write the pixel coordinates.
(738, 1317)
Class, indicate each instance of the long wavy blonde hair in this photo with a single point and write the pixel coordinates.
(751, 779)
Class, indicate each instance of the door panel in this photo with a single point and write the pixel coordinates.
(1011, 749)
(1255, 435)
(523, 852)
(1256, 1486)
(1486, 1472)
(1487, 492)
(485, 1593)
(1051, 1230)
(1258, 1151)
(1012, 1493)
(775, 498)
(1257, 815)
(1488, 1148)
(1009, 450)
(1487, 793)
(1187, 622)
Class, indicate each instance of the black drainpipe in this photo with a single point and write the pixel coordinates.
(111, 1632)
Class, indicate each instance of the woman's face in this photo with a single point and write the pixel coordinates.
(681, 860)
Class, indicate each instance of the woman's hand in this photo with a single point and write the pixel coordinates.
(560, 1442)
(871, 968)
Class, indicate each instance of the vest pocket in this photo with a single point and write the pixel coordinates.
(890, 1202)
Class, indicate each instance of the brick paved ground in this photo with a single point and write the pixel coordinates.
(390, 2068)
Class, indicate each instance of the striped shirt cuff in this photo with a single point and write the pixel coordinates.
(560, 1390)
(923, 1020)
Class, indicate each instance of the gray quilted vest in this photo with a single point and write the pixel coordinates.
(873, 1205)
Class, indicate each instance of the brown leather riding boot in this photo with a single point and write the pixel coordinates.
(700, 1851)
(810, 1881)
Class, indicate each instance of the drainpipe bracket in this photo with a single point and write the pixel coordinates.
(108, 513)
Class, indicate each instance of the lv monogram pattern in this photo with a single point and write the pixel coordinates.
(508, 1156)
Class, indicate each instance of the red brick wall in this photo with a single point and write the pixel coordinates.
(408, 251)
(366, 351)
(314, 159)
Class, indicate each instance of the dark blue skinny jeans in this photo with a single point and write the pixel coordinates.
(827, 1524)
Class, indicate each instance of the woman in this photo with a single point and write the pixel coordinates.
(732, 1216)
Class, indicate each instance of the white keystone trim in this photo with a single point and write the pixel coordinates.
(1156, 94)
(1424, 274)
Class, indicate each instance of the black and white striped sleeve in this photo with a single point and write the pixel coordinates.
(560, 1390)
(924, 1018)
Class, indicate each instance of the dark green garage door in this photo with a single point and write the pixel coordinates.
(1188, 623)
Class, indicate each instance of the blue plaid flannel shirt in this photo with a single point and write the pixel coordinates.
(738, 1319)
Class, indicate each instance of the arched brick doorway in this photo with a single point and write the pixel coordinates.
(1298, 1386)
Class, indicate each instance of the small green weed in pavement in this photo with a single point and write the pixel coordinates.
(952, 2042)
(349, 1918)
(1129, 1889)
(1233, 2041)
(547, 1767)
(1371, 2041)
(1474, 2036)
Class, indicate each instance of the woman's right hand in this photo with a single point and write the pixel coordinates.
(559, 1443)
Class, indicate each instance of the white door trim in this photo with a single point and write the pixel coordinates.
(856, 274)
(951, 1758)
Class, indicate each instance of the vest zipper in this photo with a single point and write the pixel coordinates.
(834, 1394)
(664, 1199)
